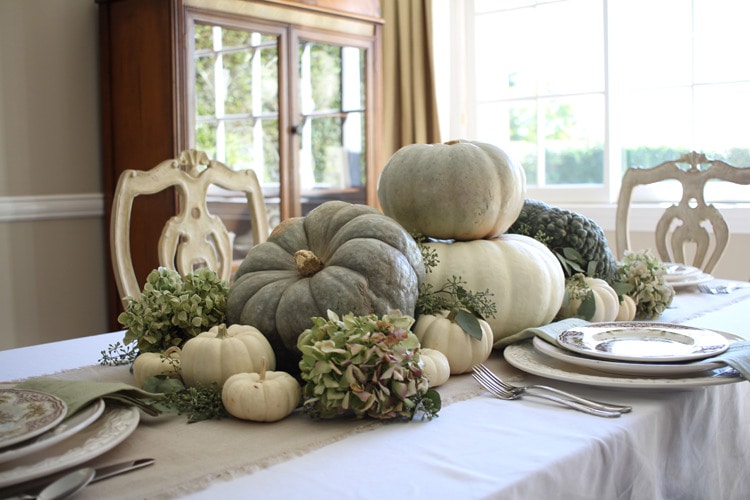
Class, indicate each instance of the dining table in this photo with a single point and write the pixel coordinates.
(687, 436)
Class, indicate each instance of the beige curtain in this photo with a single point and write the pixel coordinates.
(409, 103)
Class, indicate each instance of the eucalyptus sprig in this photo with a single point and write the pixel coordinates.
(200, 402)
(465, 307)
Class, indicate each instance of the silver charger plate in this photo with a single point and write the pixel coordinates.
(643, 341)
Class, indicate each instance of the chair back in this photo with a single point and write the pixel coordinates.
(192, 238)
(691, 221)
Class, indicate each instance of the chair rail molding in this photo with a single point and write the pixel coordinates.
(51, 207)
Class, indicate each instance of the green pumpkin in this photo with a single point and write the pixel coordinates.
(340, 257)
(460, 190)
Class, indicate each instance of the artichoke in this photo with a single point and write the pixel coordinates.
(577, 241)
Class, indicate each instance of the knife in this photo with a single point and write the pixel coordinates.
(34, 486)
(113, 470)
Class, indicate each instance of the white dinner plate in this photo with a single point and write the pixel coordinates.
(625, 368)
(26, 414)
(692, 281)
(523, 356)
(643, 341)
(680, 272)
(63, 430)
(109, 430)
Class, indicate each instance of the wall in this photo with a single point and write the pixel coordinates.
(52, 243)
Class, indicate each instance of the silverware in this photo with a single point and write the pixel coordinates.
(517, 389)
(497, 391)
(718, 289)
(39, 488)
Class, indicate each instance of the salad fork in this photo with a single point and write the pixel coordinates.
(497, 391)
(516, 389)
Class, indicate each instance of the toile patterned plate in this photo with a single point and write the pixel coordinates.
(26, 414)
(63, 430)
(643, 341)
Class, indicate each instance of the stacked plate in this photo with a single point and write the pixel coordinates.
(629, 354)
(37, 439)
(681, 275)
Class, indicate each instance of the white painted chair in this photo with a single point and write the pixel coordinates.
(691, 221)
(194, 237)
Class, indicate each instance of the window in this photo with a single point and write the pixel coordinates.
(580, 90)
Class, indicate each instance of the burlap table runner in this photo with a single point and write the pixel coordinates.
(189, 457)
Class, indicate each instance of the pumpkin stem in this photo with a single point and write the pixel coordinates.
(453, 142)
(262, 368)
(307, 263)
(222, 333)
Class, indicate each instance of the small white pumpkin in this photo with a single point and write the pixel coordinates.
(150, 364)
(437, 331)
(628, 309)
(261, 397)
(607, 303)
(221, 352)
(435, 366)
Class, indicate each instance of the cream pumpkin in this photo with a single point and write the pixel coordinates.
(606, 301)
(461, 190)
(150, 364)
(524, 277)
(627, 309)
(435, 366)
(215, 355)
(267, 396)
(437, 331)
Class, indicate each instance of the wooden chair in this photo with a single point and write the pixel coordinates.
(194, 237)
(688, 221)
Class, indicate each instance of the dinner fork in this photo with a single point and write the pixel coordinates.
(719, 289)
(517, 389)
(497, 391)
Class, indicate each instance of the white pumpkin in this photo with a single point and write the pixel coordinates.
(524, 277)
(627, 309)
(607, 303)
(261, 397)
(435, 366)
(436, 331)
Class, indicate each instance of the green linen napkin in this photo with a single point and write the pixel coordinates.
(548, 332)
(737, 355)
(79, 393)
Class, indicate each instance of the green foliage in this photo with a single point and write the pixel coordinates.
(118, 354)
(464, 305)
(173, 309)
(198, 403)
(364, 366)
(644, 275)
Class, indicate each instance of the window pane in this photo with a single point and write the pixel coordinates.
(721, 116)
(721, 41)
(573, 130)
(650, 43)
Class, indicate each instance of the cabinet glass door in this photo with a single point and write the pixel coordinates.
(331, 113)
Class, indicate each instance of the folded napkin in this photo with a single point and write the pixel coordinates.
(78, 393)
(737, 355)
(547, 332)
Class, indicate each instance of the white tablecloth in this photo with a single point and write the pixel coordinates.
(676, 444)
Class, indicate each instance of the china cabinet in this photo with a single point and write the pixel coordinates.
(288, 88)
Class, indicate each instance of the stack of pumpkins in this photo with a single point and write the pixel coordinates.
(464, 195)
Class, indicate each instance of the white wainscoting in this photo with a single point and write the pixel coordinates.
(48, 207)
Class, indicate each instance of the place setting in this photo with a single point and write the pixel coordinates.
(682, 275)
(48, 427)
(630, 354)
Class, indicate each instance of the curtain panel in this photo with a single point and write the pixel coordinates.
(409, 101)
